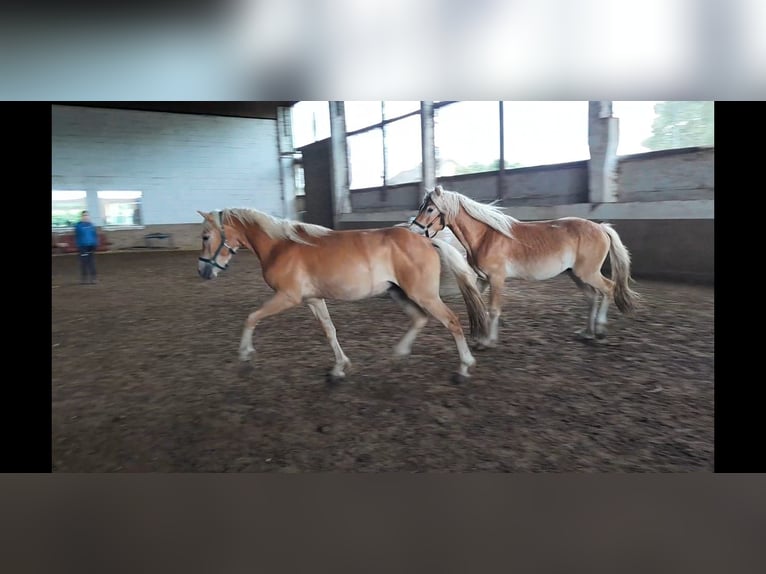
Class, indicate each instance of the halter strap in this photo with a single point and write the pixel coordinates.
(212, 261)
(425, 228)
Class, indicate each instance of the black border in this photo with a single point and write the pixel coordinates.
(26, 413)
(738, 444)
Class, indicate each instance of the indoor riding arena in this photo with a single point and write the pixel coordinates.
(146, 374)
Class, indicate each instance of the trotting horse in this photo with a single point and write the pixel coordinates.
(500, 247)
(309, 263)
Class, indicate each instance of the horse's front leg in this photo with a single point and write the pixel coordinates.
(496, 291)
(278, 303)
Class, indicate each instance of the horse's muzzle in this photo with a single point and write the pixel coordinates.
(206, 270)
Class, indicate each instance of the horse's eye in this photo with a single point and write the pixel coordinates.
(205, 237)
(429, 210)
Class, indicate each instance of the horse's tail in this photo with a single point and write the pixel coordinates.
(478, 316)
(624, 297)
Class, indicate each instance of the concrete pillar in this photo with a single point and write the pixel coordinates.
(428, 147)
(339, 171)
(286, 155)
(603, 137)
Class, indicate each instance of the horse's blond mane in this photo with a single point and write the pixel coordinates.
(275, 227)
(450, 202)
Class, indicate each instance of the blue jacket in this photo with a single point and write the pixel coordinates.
(85, 234)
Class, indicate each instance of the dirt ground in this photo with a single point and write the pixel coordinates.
(146, 378)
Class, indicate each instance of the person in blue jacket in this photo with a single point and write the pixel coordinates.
(86, 239)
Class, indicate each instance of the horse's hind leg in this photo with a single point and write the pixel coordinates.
(418, 316)
(589, 332)
(601, 329)
(319, 308)
(605, 287)
(278, 303)
(442, 313)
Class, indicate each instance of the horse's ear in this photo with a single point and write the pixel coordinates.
(438, 190)
(202, 213)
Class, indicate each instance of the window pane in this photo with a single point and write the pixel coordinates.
(66, 207)
(311, 122)
(467, 137)
(362, 114)
(365, 159)
(542, 133)
(635, 125)
(300, 180)
(649, 126)
(120, 207)
(395, 109)
(403, 151)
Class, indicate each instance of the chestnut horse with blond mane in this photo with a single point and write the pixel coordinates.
(499, 247)
(308, 263)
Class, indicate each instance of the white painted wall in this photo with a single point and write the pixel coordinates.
(181, 162)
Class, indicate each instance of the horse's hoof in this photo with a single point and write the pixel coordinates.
(600, 335)
(334, 380)
(459, 378)
(246, 370)
(584, 335)
(245, 355)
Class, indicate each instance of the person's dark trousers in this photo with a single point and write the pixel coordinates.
(87, 264)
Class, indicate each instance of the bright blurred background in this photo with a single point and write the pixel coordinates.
(483, 49)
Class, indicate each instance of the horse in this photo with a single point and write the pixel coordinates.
(447, 283)
(500, 247)
(309, 263)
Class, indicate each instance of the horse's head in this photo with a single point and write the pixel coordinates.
(429, 220)
(219, 243)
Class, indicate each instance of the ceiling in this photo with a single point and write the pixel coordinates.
(259, 109)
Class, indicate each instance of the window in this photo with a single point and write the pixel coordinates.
(635, 125)
(311, 122)
(362, 114)
(120, 208)
(467, 137)
(365, 159)
(66, 207)
(542, 133)
(649, 126)
(398, 141)
(300, 180)
(403, 151)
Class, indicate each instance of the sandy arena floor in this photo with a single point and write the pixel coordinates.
(146, 378)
